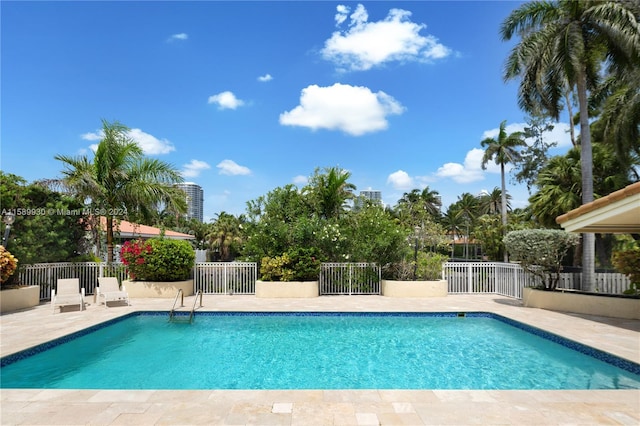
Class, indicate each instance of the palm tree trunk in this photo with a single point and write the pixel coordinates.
(586, 166)
(567, 96)
(109, 239)
(503, 208)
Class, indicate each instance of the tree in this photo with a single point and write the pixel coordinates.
(563, 44)
(49, 226)
(329, 191)
(467, 210)
(490, 234)
(503, 150)
(453, 223)
(120, 178)
(619, 122)
(540, 252)
(226, 236)
(417, 206)
(534, 156)
(491, 202)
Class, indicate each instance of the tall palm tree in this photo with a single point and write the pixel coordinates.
(120, 178)
(503, 150)
(620, 118)
(563, 44)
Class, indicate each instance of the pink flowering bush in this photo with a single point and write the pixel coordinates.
(158, 259)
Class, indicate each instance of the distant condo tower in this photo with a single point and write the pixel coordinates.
(373, 195)
(195, 199)
(369, 194)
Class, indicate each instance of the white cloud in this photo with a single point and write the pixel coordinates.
(148, 143)
(225, 100)
(352, 109)
(470, 171)
(93, 136)
(266, 77)
(400, 180)
(194, 167)
(180, 36)
(364, 44)
(231, 168)
(300, 180)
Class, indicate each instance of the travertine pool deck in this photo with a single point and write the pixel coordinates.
(21, 330)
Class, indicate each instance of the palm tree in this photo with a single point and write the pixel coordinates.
(491, 203)
(226, 233)
(120, 178)
(563, 45)
(419, 206)
(620, 118)
(503, 150)
(466, 208)
(330, 191)
(452, 222)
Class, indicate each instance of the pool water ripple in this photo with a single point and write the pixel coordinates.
(332, 351)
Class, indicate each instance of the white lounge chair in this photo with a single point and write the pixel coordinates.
(109, 291)
(68, 292)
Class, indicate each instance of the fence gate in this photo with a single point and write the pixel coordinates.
(225, 277)
(349, 278)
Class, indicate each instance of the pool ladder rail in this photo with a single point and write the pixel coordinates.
(180, 294)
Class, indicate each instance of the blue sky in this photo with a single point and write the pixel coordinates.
(243, 97)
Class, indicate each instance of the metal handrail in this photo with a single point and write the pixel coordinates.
(180, 292)
(199, 293)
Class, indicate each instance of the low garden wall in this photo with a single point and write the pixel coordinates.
(14, 299)
(157, 289)
(580, 303)
(436, 288)
(284, 289)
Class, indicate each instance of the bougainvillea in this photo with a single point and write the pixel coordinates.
(158, 259)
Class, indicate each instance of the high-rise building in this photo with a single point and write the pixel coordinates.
(195, 199)
(371, 195)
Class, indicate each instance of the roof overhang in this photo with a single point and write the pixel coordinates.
(618, 212)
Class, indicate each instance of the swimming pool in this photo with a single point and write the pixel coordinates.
(237, 350)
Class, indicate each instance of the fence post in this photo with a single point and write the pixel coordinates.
(469, 279)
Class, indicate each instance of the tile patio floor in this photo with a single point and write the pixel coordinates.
(27, 328)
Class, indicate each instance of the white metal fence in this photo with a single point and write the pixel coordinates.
(606, 282)
(46, 275)
(349, 278)
(225, 277)
(506, 279)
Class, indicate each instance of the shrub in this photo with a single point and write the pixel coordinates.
(8, 264)
(429, 268)
(628, 262)
(540, 252)
(299, 264)
(158, 259)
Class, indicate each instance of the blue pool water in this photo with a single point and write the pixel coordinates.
(317, 351)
